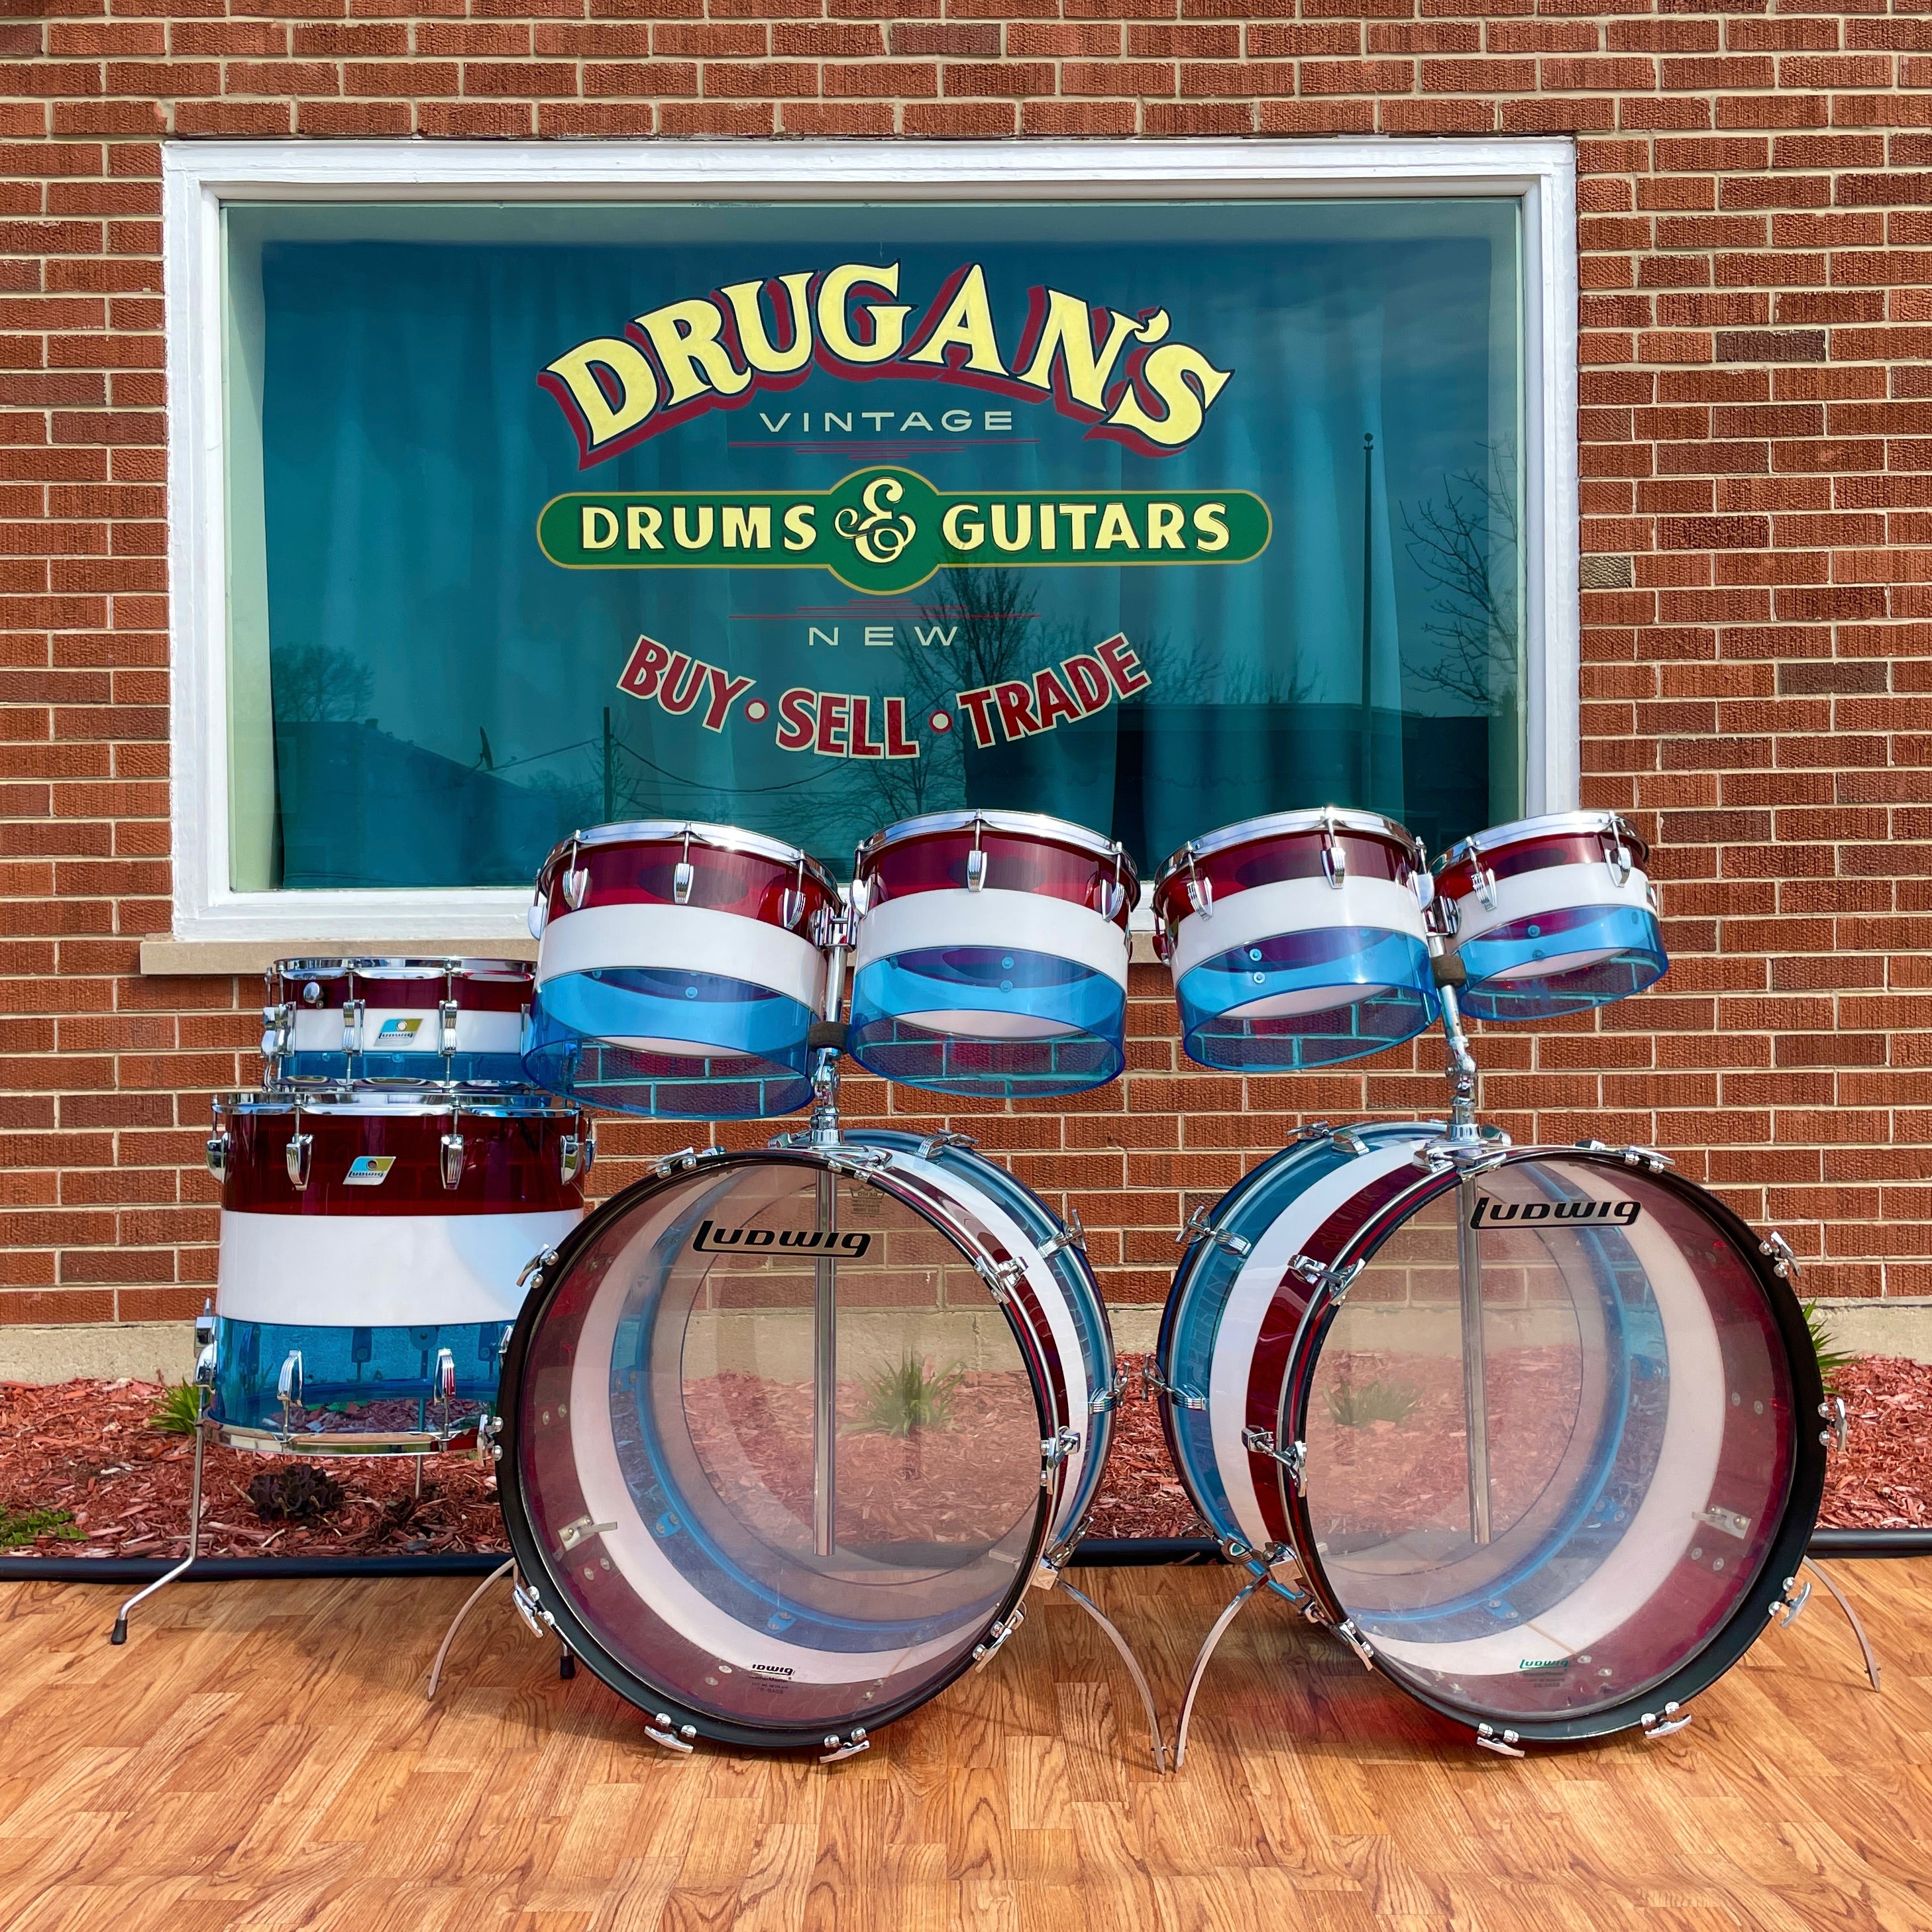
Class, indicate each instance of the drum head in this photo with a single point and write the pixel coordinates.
(772, 1449)
(1563, 1501)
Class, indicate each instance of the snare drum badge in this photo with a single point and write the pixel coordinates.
(369, 1170)
(401, 1031)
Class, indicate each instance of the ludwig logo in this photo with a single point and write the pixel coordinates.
(401, 1031)
(369, 1170)
(712, 1239)
(1489, 1213)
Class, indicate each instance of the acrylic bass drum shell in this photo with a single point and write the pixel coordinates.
(1651, 1400)
(662, 1466)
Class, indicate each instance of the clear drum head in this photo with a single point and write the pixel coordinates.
(1553, 1500)
(773, 1452)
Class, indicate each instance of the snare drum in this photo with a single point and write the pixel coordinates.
(991, 955)
(372, 1242)
(1297, 940)
(678, 970)
(332, 1020)
(1551, 916)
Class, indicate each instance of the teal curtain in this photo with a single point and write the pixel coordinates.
(440, 689)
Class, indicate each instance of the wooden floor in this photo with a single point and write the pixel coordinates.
(260, 1755)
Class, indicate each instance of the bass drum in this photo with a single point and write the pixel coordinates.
(786, 1434)
(1543, 1436)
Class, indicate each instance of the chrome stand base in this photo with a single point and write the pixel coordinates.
(1235, 1605)
(1844, 1603)
(1156, 1741)
(118, 1634)
(456, 1622)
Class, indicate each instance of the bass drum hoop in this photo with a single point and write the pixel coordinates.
(527, 1551)
(1805, 1492)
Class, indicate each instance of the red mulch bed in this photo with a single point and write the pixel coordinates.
(88, 1447)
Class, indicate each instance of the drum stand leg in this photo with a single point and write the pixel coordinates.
(470, 1603)
(119, 1632)
(1155, 1740)
(1844, 1603)
(1235, 1604)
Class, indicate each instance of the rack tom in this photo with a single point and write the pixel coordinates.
(1551, 916)
(680, 969)
(991, 955)
(443, 1020)
(1297, 940)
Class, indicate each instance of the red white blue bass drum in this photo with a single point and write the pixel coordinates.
(1538, 1434)
(787, 1436)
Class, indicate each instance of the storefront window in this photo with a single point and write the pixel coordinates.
(807, 518)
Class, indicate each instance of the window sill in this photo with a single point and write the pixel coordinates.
(165, 958)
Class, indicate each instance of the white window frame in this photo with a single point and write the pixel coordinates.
(198, 177)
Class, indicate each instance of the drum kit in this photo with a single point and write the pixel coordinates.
(784, 1438)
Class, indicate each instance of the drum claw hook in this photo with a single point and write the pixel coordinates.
(835, 1750)
(1655, 1727)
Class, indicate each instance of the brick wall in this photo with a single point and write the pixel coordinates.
(1756, 455)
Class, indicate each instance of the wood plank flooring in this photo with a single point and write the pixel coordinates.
(260, 1755)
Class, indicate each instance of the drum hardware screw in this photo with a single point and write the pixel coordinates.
(1784, 1264)
(1337, 1281)
(1071, 1235)
(531, 1609)
(1334, 858)
(295, 1159)
(1152, 1380)
(1648, 1157)
(933, 1143)
(1655, 1727)
(1346, 1630)
(982, 1653)
(1199, 1228)
(1000, 1277)
(1504, 1746)
(1293, 1459)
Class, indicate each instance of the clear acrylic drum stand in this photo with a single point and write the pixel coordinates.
(1278, 1568)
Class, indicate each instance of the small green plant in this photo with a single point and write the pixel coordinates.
(180, 1409)
(1832, 1361)
(1356, 1405)
(19, 1528)
(911, 1394)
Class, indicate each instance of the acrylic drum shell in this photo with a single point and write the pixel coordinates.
(513, 1157)
(636, 863)
(927, 1194)
(1533, 844)
(340, 1032)
(1281, 846)
(990, 954)
(1025, 852)
(1280, 1378)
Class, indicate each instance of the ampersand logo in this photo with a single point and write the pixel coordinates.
(879, 533)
